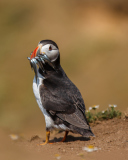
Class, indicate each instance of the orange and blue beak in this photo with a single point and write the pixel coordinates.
(34, 62)
(33, 55)
(37, 58)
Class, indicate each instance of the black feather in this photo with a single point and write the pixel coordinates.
(47, 41)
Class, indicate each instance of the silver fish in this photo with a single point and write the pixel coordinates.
(39, 60)
(33, 63)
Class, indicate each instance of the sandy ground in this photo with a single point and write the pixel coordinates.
(111, 140)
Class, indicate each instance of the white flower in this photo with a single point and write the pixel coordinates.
(103, 111)
(14, 136)
(95, 106)
(57, 156)
(90, 148)
(112, 105)
(90, 108)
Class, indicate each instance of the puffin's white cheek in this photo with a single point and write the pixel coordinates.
(44, 50)
(53, 55)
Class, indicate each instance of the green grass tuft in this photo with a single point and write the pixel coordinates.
(110, 113)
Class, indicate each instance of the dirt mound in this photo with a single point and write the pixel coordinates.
(111, 141)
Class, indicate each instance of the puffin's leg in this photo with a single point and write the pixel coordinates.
(48, 135)
(65, 136)
(47, 138)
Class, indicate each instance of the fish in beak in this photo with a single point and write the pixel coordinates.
(38, 59)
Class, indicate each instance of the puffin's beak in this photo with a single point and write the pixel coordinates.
(33, 55)
(39, 59)
(33, 61)
(39, 56)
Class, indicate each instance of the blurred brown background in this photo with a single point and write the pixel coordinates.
(93, 40)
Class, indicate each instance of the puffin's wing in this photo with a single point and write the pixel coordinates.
(77, 119)
(61, 95)
(67, 104)
(56, 102)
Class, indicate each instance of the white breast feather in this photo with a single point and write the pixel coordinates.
(49, 122)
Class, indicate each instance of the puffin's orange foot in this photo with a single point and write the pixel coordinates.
(48, 135)
(47, 139)
(65, 136)
(43, 143)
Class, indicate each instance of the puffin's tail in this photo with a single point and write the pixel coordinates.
(86, 133)
(82, 131)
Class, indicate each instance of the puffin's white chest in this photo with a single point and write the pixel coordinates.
(36, 86)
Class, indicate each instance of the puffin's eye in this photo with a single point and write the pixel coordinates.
(50, 48)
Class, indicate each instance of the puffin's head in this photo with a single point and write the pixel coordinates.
(48, 48)
(46, 56)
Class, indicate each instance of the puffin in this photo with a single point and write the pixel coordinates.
(57, 96)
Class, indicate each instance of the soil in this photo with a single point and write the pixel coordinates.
(111, 140)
